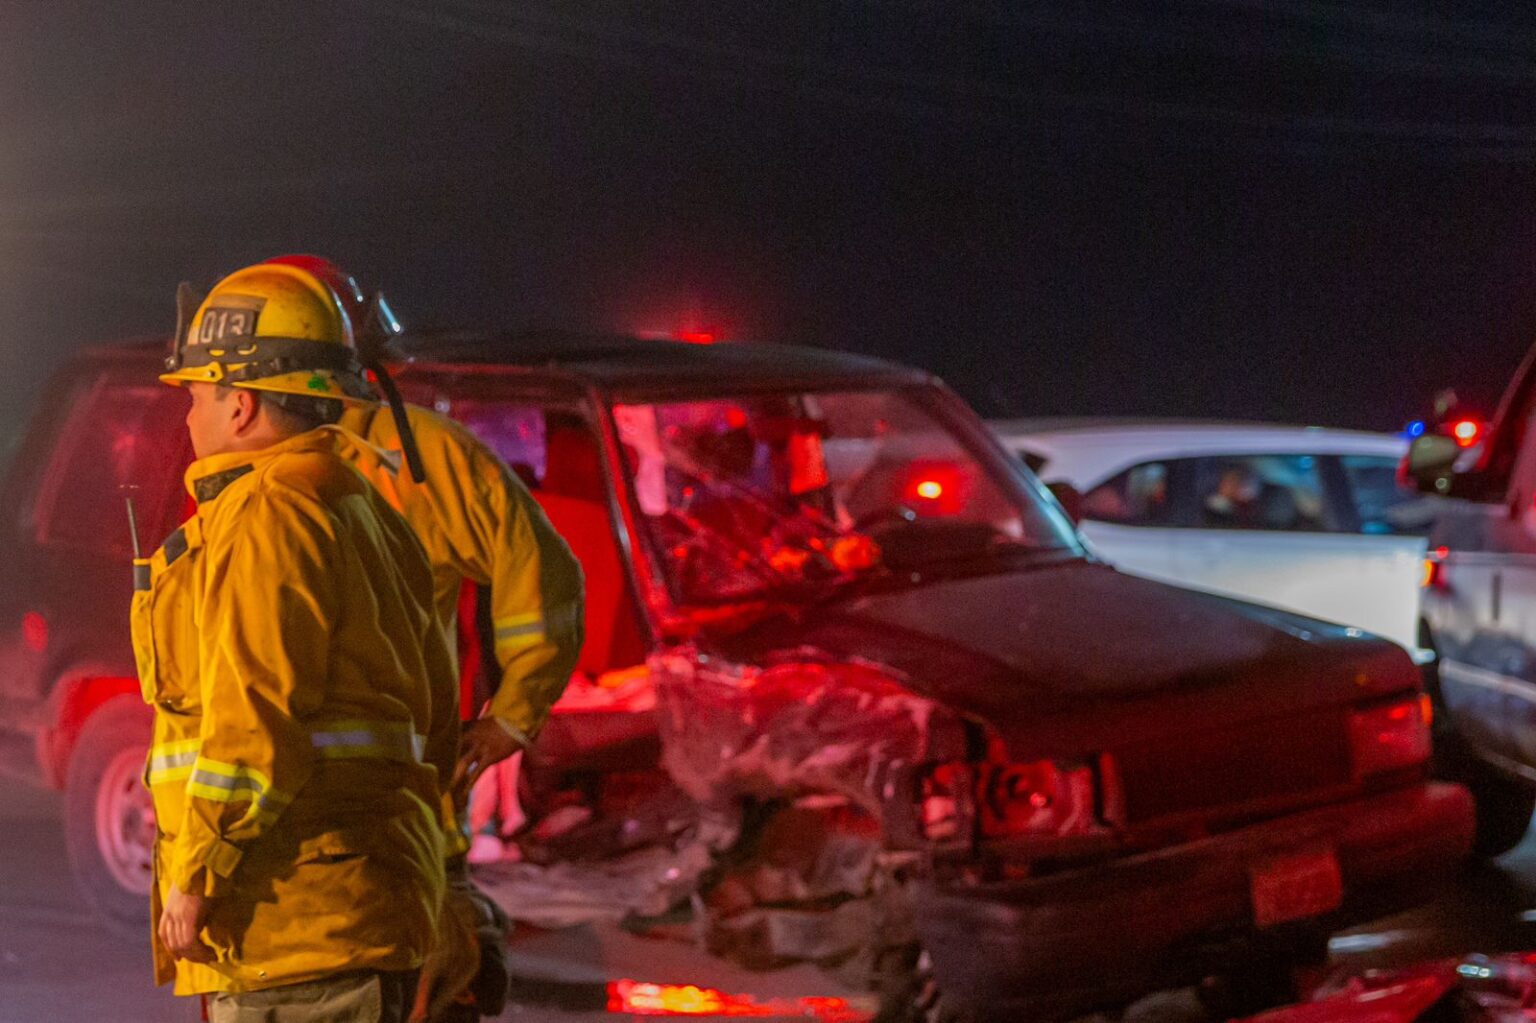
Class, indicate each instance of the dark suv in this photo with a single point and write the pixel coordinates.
(853, 691)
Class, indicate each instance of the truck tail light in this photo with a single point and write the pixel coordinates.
(1390, 737)
(996, 799)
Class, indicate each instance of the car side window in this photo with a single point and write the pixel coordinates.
(1139, 496)
(123, 440)
(1272, 493)
(1382, 505)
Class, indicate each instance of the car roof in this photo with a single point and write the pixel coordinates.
(1085, 452)
(614, 360)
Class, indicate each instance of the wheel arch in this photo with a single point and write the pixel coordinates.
(80, 693)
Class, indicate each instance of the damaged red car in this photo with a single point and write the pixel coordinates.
(853, 692)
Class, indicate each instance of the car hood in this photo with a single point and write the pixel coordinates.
(1061, 654)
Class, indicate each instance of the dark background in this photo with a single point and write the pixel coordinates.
(1304, 211)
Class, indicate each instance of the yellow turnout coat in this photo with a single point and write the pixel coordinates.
(306, 708)
(477, 521)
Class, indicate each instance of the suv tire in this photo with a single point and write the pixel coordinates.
(109, 820)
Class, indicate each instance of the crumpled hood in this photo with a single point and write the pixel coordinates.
(1067, 649)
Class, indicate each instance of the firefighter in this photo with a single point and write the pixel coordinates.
(479, 523)
(305, 693)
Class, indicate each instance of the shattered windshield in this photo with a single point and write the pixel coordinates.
(752, 496)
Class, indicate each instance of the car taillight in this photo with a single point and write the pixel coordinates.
(1433, 577)
(1390, 737)
(999, 800)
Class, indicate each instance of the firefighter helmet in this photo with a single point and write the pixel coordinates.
(269, 327)
(375, 327)
(373, 321)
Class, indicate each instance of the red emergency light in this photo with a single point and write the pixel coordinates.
(1467, 432)
(935, 488)
(637, 998)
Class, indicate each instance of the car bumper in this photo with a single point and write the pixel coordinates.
(1055, 946)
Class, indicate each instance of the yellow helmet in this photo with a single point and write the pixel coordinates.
(269, 327)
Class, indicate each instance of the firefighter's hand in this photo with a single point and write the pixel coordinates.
(181, 923)
(483, 743)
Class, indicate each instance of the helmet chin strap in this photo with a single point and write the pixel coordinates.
(374, 333)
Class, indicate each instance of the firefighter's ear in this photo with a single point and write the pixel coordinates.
(245, 405)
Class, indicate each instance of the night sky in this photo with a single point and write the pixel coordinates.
(1305, 211)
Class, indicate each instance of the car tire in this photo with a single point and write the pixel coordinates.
(109, 819)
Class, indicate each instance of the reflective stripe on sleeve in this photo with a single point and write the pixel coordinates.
(517, 631)
(172, 761)
(236, 783)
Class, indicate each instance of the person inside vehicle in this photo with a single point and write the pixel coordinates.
(1234, 503)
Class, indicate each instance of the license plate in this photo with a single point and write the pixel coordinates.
(1295, 885)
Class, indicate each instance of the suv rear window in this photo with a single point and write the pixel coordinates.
(122, 440)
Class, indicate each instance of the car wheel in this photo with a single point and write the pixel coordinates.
(109, 822)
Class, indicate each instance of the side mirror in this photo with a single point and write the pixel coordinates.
(1070, 499)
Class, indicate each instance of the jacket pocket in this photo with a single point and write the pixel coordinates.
(162, 620)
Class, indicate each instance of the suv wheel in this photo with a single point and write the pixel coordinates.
(109, 818)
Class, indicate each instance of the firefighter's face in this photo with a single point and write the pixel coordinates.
(216, 418)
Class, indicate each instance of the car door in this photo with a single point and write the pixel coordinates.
(1487, 620)
(1392, 525)
(1133, 520)
(1270, 530)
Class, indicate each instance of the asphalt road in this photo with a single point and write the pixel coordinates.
(57, 965)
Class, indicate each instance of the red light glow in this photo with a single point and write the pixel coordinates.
(1466, 432)
(34, 632)
(641, 999)
(936, 488)
(697, 337)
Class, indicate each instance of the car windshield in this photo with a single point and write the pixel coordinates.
(747, 497)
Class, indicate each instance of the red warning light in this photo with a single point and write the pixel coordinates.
(696, 337)
(936, 488)
(642, 999)
(34, 632)
(1466, 432)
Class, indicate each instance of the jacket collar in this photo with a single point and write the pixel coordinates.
(208, 477)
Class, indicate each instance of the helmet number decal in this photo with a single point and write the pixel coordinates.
(221, 323)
